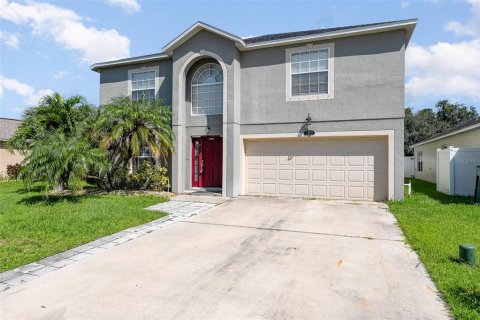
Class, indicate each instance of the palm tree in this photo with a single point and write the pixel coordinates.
(62, 161)
(53, 113)
(55, 137)
(127, 125)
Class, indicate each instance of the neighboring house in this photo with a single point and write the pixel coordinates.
(245, 109)
(466, 135)
(7, 129)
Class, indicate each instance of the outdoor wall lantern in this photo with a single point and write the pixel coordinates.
(308, 122)
(207, 130)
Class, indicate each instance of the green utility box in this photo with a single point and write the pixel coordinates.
(476, 194)
(468, 253)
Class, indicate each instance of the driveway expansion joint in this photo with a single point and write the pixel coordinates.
(177, 210)
(294, 231)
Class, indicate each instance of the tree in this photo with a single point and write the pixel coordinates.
(61, 161)
(53, 113)
(125, 125)
(55, 137)
(426, 123)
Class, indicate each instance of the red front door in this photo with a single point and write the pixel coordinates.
(207, 162)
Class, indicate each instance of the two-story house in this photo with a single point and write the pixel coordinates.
(316, 113)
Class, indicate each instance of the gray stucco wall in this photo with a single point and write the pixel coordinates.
(114, 81)
(368, 89)
(369, 82)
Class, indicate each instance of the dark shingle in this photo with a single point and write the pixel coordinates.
(279, 36)
(8, 128)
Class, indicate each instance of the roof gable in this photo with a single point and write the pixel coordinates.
(193, 30)
(473, 124)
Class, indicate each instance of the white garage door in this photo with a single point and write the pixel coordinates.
(354, 169)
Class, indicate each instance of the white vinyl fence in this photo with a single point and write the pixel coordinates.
(408, 167)
(456, 168)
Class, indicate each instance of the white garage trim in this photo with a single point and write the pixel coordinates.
(354, 134)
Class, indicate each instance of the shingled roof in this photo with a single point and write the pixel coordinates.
(8, 127)
(286, 35)
(453, 130)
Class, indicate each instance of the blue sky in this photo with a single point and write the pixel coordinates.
(49, 46)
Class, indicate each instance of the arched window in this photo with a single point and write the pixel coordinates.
(207, 90)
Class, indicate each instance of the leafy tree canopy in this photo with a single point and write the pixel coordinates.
(426, 123)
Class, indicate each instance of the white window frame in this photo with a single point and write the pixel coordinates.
(288, 56)
(191, 92)
(144, 69)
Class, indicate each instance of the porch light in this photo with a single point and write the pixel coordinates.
(308, 122)
(207, 130)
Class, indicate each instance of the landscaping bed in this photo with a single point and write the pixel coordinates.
(33, 226)
(434, 225)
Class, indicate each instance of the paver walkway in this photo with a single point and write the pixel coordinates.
(176, 209)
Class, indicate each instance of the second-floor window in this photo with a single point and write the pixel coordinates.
(309, 72)
(207, 90)
(143, 84)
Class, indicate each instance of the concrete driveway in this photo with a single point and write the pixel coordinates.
(251, 258)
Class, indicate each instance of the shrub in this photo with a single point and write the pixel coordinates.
(13, 170)
(150, 177)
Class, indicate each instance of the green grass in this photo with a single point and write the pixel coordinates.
(33, 227)
(434, 225)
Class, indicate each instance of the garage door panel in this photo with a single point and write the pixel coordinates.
(355, 192)
(337, 175)
(301, 190)
(302, 174)
(285, 174)
(337, 161)
(285, 160)
(319, 160)
(356, 175)
(269, 174)
(336, 191)
(335, 168)
(269, 160)
(254, 173)
(285, 189)
(254, 188)
(319, 191)
(269, 188)
(319, 175)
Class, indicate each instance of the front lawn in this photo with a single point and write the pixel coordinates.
(434, 225)
(33, 227)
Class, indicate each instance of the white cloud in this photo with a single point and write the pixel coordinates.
(446, 70)
(405, 4)
(66, 28)
(10, 40)
(127, 5)
(472, 26)
(30, 95)
(60, 74)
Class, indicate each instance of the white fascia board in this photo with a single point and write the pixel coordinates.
(408, 25)
(101, 65)
(472, 127)
(194, 29)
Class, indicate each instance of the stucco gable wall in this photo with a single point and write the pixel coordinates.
(469, 139)
(369, 82)
(114, 81)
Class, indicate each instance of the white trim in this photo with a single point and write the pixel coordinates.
(194, 29)
(390, 134)
(101, 65)
(331, 72)
(200, 85)
(181, 118)
(144, 69)
(407, 25)
(472, 127)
